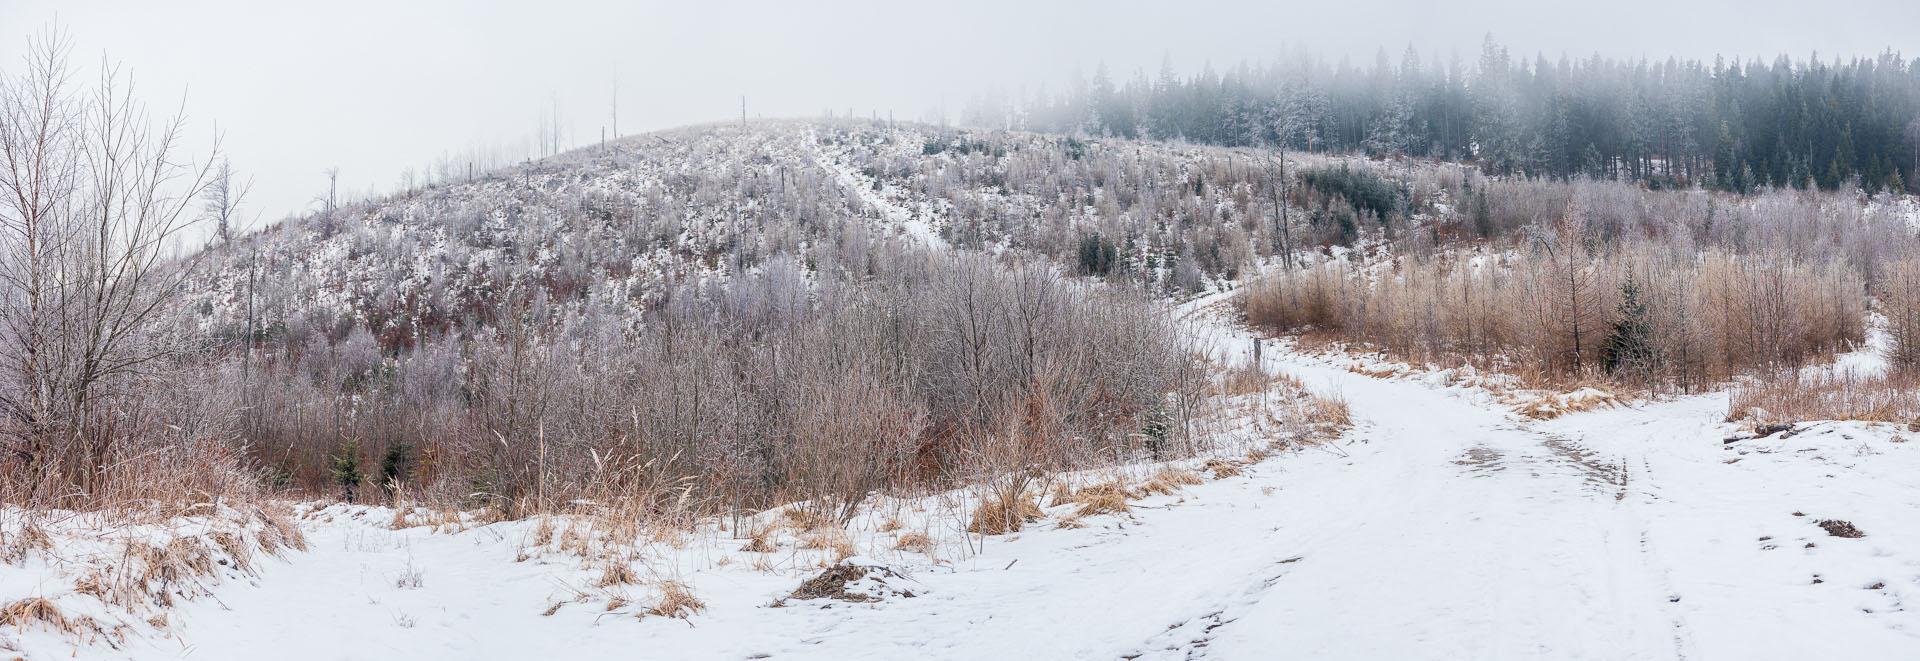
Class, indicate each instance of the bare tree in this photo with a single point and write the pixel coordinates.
(1277, 189)
(331, 200)
(94, 193)
(222, 200)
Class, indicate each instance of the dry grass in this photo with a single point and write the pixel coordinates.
(36, 611)
(1327, 410)
(915, 542)
(617, 573)
(1549, 405)
(1108, 497)
(760, 541)
(154, 571)
(1005, 510)
(1788, 396)
(543, 533)
(800, 519)
(675, 600)
(829, 538)
(1167, 481)
(31, 540)
(1243, 380)
(1222, 469)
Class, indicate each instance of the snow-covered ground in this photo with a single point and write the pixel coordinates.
(1442, 526)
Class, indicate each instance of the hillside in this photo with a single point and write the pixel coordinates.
(847, 389)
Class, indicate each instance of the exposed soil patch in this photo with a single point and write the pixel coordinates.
(1839, 528)
(1481, 460)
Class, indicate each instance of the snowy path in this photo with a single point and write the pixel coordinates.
(1438, 528)
(914, 223)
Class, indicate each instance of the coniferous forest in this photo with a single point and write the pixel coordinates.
(1729, 124)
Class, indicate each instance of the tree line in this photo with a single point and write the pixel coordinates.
(1733, 125)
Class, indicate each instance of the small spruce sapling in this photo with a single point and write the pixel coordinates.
(396, 465)
(1156, 429)
(346, 467)
(1630, 346)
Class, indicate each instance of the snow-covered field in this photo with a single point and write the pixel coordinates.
(1442, 526)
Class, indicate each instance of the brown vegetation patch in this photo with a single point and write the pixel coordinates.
(1166, 482)
(1324, 410)
(34, 610)
(1004, 511)
(759, 542)
(1786, 396)
(915, 542)
(617, 573)
(829, 538)
(1105, 498)
(1223, 469)
(675, 600)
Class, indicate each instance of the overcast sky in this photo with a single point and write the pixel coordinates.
(378, 86)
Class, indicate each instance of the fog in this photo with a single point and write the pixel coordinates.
(376, 88)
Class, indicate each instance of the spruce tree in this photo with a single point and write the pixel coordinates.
(1630, 346)
(346, 466)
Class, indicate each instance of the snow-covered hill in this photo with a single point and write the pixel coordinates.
(1442, 525)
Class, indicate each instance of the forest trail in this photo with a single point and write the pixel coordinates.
(909, 222)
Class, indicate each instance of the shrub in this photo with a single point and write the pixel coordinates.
(1899, 298)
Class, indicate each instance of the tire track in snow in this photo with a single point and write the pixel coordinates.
(1491, 538)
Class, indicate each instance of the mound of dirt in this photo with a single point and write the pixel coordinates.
(853, 581)
(1839, 528)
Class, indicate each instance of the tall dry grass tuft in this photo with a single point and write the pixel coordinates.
(1008, 506)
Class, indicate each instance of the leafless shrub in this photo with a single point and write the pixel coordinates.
(1899, 298)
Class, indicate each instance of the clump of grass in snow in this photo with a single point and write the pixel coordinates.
(915, 542)
(1105, 498)
(1006, 509)
(617, 573)
(675, 600)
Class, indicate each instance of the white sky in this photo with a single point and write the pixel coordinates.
(375, 87)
